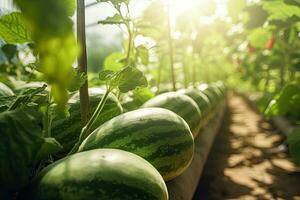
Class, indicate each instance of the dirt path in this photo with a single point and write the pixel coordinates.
(245, 162)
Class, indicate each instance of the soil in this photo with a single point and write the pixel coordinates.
(248, 160)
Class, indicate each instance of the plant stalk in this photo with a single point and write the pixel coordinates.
(82, 62)
(86, 130)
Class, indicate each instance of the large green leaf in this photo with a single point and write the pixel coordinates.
(21, 147)
(125, 80)
(279, 10)
(257, 16)
(287, 102)
(113, 61)
(116, 19)
(143, 54)
(130, 78)
(13, 29)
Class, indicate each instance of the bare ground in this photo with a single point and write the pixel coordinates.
(246, 161)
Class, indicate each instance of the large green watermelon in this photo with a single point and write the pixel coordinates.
(5, 90)
(157, 135)
(200, 98)
(181, 104)
(102, 174)
(212, 96)
(67, 130)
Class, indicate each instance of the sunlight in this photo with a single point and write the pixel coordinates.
(178, 7)
(181, 6)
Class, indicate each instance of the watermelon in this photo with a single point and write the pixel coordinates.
(158, 135)
(67, 130)
(181, 104)
(5, 91)
(104, 174)
(212, 96)
(200, 98)
(216, 90)
(133, 100)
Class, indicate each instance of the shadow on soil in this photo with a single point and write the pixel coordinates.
(215, 185)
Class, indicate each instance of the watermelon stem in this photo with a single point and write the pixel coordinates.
(85, 132)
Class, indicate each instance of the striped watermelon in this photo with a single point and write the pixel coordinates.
(181, 104)
(157, 135)
(106, 174)
(67, 130)
(200, 98)
(5, 91)
(217, 89)
(212, 96)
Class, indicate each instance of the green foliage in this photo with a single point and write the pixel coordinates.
(54, 42)
(125, 80)
(71, 6)
(256, 16)
(22, 147)
(142, 53)
(116, 19)
(278, 9)
(294, 144)
(235, 7)
(259, 37)
(13, 29)
(286, 102)
(114, 61)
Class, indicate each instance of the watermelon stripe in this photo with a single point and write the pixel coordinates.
(106, 174)
(169, 150)
(134, 135)
(181, 104)
(158, 135)
(67, 130)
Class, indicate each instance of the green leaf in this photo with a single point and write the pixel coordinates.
(294, 144)
(287, 102)
(279, 10)
(129, 78)
(78, 80)
(28, 97)
(71, 7)
(143, 94)
(116, 3)
(143, 54)
(116, 19)
(113, 61)
(21, 139)
(13, 29)
(257, 16)
(259, 36)
(5, 102)
(50, 146)
(106, 75)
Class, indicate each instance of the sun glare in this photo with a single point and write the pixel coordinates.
(178, 7)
